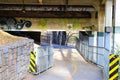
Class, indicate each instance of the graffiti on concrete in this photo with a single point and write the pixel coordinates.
(10, 23)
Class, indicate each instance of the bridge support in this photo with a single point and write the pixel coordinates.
(108, 25)
(117, 24)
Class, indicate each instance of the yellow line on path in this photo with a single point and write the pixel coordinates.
(74, 71)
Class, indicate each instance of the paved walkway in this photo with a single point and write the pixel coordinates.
(69, 65)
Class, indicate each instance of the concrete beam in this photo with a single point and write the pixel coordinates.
(103, 2)
(46, 14)
(30, 7)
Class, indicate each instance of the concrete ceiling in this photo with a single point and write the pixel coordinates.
(51, 2)
(94, 3)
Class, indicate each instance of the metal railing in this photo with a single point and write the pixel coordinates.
(44, 58)
(94, 54)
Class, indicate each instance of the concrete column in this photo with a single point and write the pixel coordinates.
(40, 1)
(100, 34)
(101, 18)
(101, 25)
(117, 13)
(94, 21)
(108, 23)
(108, 13)
(117, 24)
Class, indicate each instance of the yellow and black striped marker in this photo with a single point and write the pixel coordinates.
(33, 66)
(113, 67)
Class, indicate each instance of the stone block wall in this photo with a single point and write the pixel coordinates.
(14, 60)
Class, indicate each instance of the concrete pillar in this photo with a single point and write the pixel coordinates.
(108, 23)
(117, 13)
(108, 13)
(100, 34)
(41, 1)
(101, 18)
(101, 25)
(117, 23)
(108, 35)
(94, 21)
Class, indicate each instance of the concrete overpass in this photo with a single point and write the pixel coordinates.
(100, 17)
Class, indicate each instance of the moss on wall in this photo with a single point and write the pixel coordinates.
(42, 24)
(58, 23)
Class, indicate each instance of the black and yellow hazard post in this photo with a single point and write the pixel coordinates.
(113, 67)
(33, 66)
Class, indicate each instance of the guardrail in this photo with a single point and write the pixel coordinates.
(94, 54)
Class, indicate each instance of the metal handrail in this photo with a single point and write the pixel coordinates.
(90, 53)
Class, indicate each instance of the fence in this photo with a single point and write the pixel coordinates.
(46, 39)
(94, 54)
(44, 58)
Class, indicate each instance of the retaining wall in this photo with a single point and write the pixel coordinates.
(14, 60)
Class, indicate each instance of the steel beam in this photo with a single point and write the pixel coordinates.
(30, 7)
(45, 14)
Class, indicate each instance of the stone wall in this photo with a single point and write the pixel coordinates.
(14, 60)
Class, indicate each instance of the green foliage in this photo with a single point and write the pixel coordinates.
(117, 50)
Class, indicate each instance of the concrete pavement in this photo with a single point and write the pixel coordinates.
(69, 65)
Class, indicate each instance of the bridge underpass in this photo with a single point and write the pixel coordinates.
(93, 48)
(70, 65)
